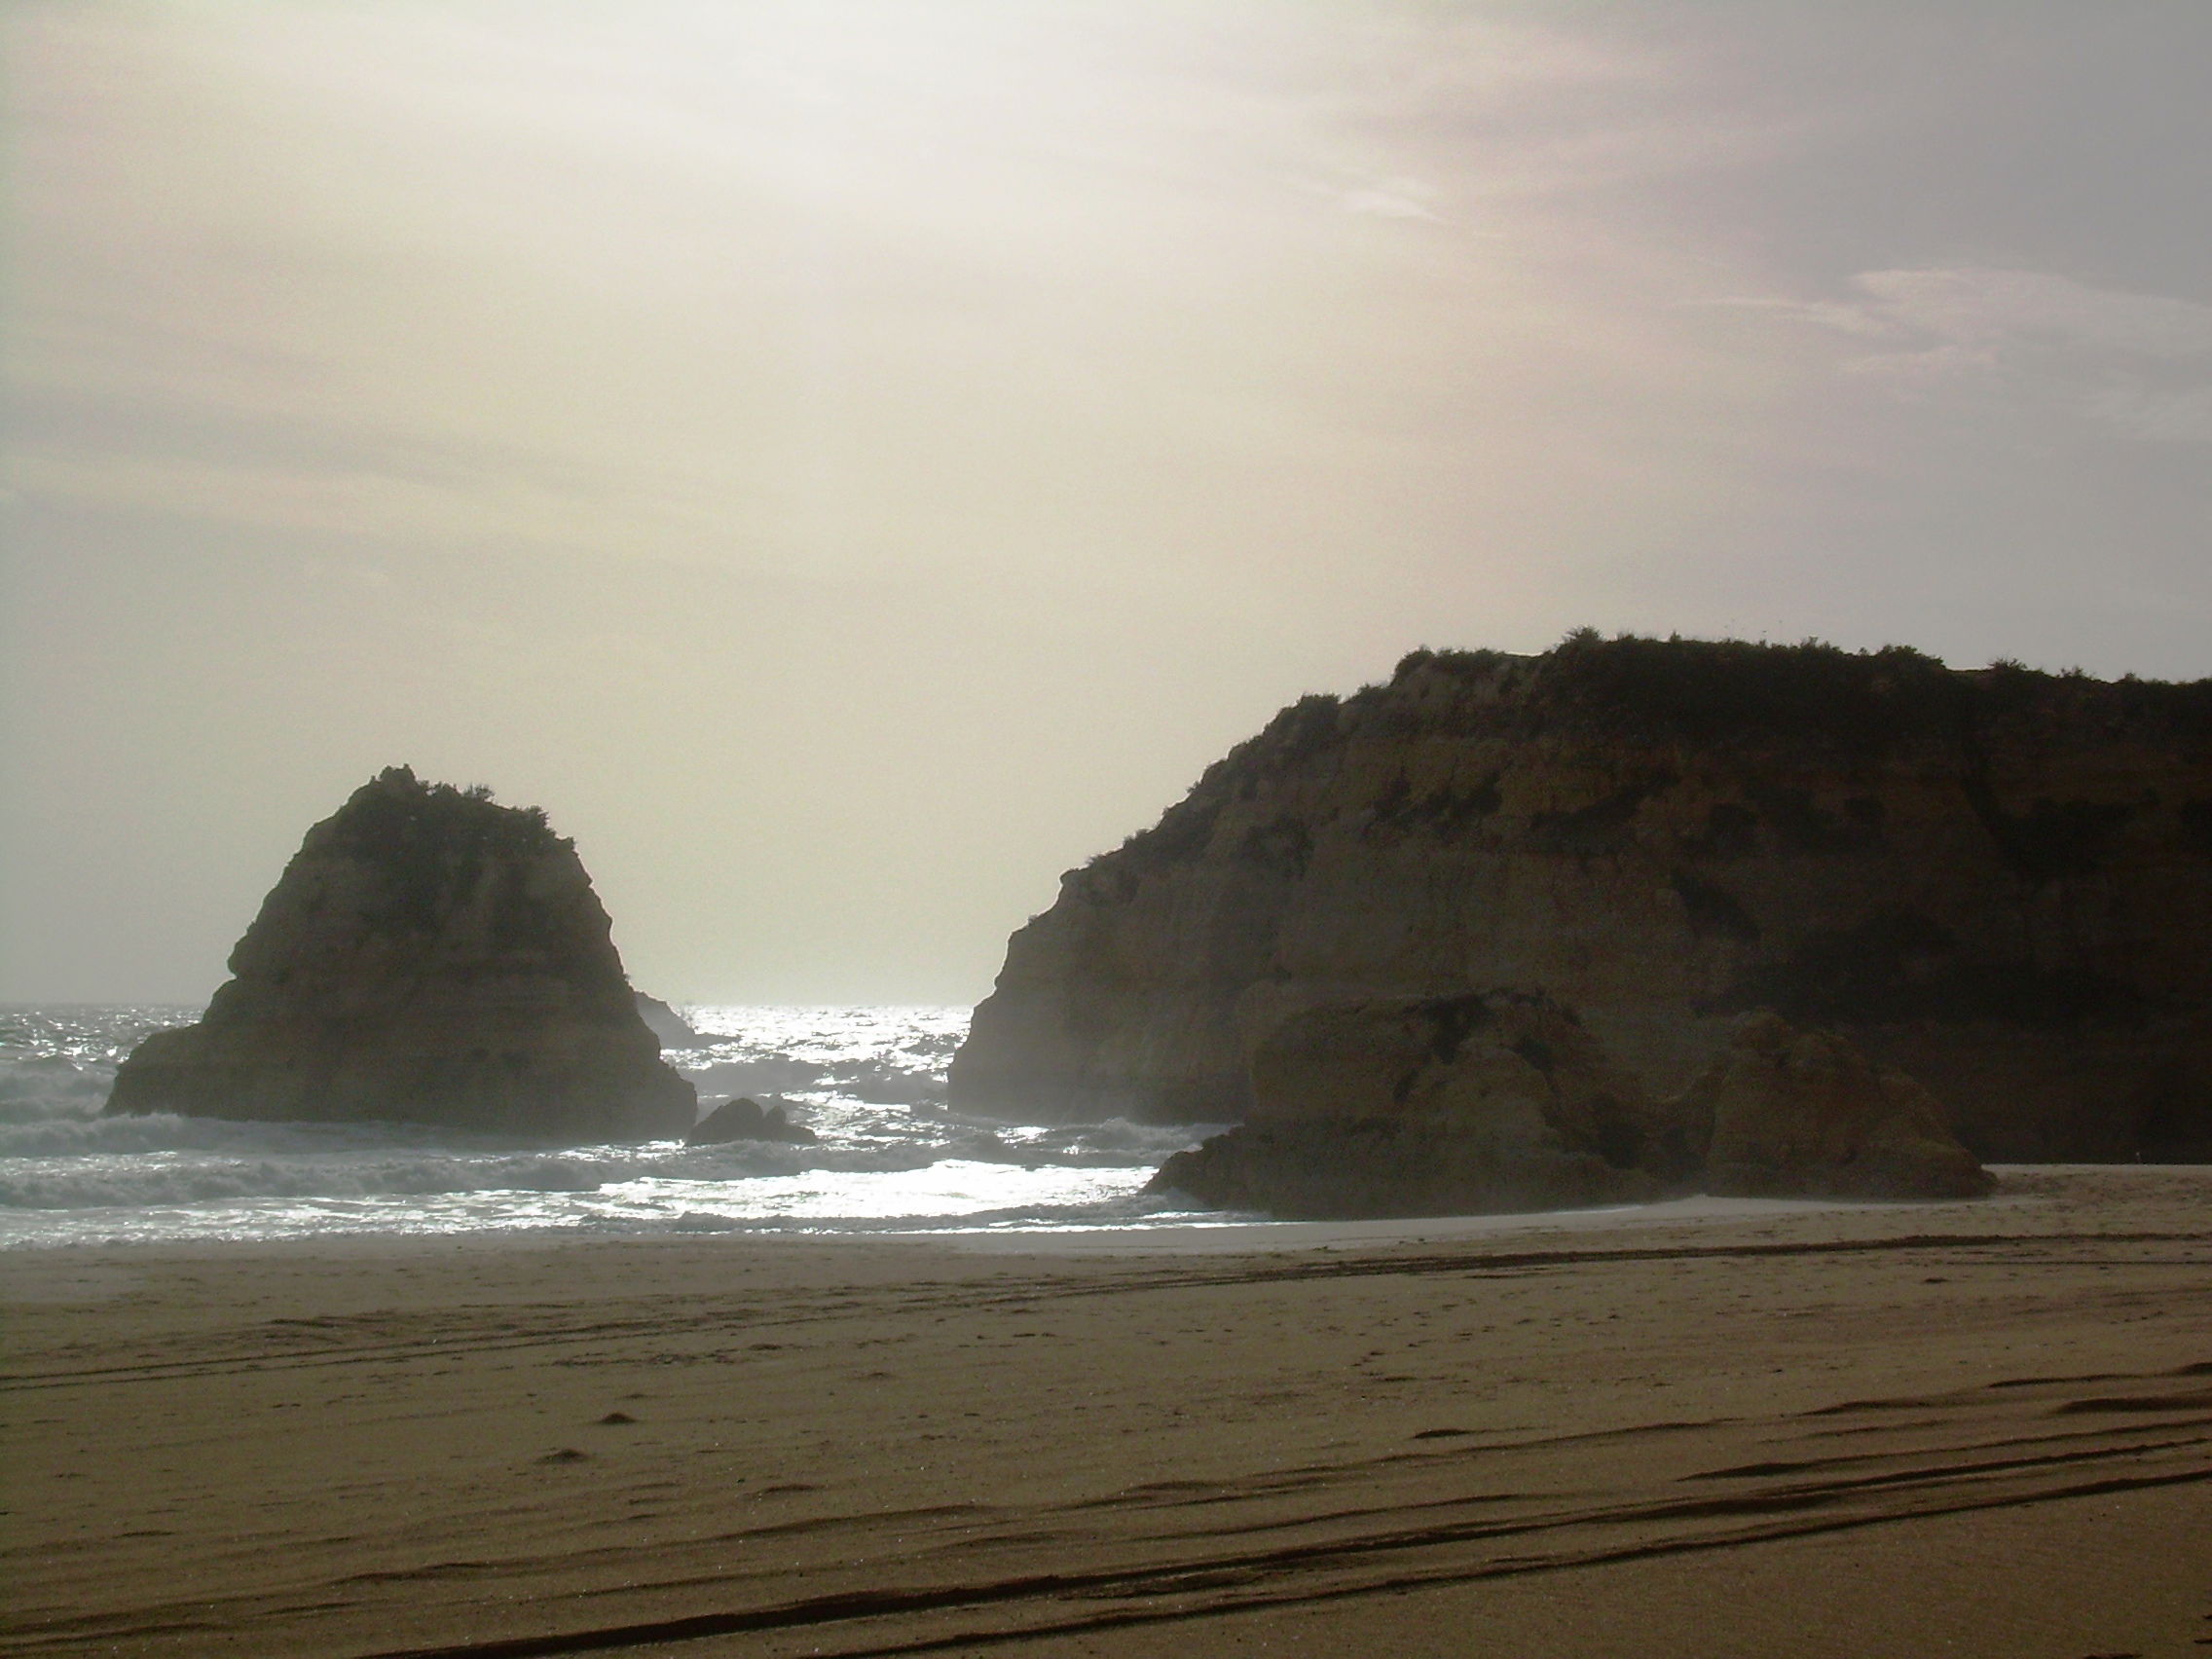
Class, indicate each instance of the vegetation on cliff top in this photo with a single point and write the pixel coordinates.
(1679, 689)
(1717, 690)
(431, 840)
(396, 812)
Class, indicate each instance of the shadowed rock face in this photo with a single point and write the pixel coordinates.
(1786, 1114)
(1998, 882)
(1503, 1102)
(427, 956)
(1428, 1106)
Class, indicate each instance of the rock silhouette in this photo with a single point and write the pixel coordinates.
(427, 956)
(746, 1119)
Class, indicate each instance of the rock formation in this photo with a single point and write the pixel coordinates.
(1786, 1114)
(665, 1023)
(427, 956)
(1999, 882)
(1428, 1106)
(1503, 1101)
(746, 1119)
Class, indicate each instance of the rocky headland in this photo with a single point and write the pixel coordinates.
(1995, 882)
(427, 956)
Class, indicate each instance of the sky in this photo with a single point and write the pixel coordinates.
(850, 461)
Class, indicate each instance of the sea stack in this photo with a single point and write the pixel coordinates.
(1998, 882)
(427, 956)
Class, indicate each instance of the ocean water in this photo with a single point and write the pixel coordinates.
(868, 1080)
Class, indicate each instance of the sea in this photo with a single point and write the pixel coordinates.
(891, 1158)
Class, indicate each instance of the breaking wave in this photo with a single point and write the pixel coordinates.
(890, 1156)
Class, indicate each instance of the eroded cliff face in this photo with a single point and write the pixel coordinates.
(1998, 882)
(427, 956)
(1786, 1114)
(1503, 1101)
(1431, 1106)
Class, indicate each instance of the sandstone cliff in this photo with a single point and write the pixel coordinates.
(1428, 1106)
(1503, 1101)
(1999, 882)
(427, 956)
(1786, 1114)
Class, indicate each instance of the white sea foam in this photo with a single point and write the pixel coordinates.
(868, 1080)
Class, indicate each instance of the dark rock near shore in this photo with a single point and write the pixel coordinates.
(1427, 1106)
(744, 1119)
(428, 956)
(1503, 1101)
(1784, 1114)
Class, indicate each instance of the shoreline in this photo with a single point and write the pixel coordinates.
(2018, 1184)
(1744, 1433)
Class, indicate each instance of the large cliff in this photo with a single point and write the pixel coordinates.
(430, 956)
(1997, 882)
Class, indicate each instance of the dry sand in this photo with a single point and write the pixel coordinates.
(1697, 1433)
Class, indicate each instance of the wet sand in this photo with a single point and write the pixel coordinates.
(1961, 1429)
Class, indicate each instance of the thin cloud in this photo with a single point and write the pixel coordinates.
(2157, 417)
(1970, 304)
(2134, 363)
(1400, 199)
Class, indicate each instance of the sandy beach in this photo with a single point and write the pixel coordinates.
(1972, 1428)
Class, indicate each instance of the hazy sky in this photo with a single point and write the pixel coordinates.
(850, 461)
